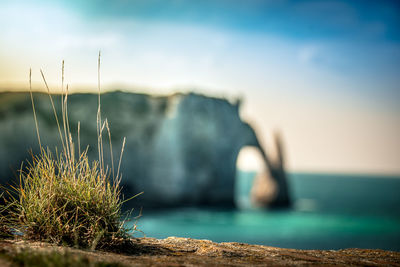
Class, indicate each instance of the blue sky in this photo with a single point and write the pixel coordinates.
(326, 73)
(373, 20)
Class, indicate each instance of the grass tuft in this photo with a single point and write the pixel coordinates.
(32, 258)
(69, 202)
(63, 197)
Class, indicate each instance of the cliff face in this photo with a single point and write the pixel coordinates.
(180, 150)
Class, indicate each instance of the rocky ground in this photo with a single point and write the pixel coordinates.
(175, 251)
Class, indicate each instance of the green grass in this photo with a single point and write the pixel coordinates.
(5, 231)
(68, 201)
(63, 197)
(30, 258)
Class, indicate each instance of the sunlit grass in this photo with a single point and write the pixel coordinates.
(63, 197)
(69, 202)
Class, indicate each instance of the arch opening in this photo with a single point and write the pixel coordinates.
(251, 176)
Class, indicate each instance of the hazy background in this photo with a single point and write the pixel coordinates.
(325, 73)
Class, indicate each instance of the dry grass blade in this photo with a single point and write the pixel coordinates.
(99, 130)
(79, 138)
(54, 110)
(33, 107)
(120, 157)
(111, 150)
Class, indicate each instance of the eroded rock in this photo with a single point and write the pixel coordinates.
(174, 251)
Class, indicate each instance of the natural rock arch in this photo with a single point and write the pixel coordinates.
(181, 149)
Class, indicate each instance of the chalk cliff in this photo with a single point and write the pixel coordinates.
(181, 149)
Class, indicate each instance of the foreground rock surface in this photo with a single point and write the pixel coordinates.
(175, 251)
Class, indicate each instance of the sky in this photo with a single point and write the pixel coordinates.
(325, 74)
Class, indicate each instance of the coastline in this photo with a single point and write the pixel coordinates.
(174, 251)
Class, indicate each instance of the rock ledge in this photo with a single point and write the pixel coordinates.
(174, 251)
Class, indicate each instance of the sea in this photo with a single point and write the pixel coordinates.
(330, 211)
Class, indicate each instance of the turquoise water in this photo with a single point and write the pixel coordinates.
(330, 212)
